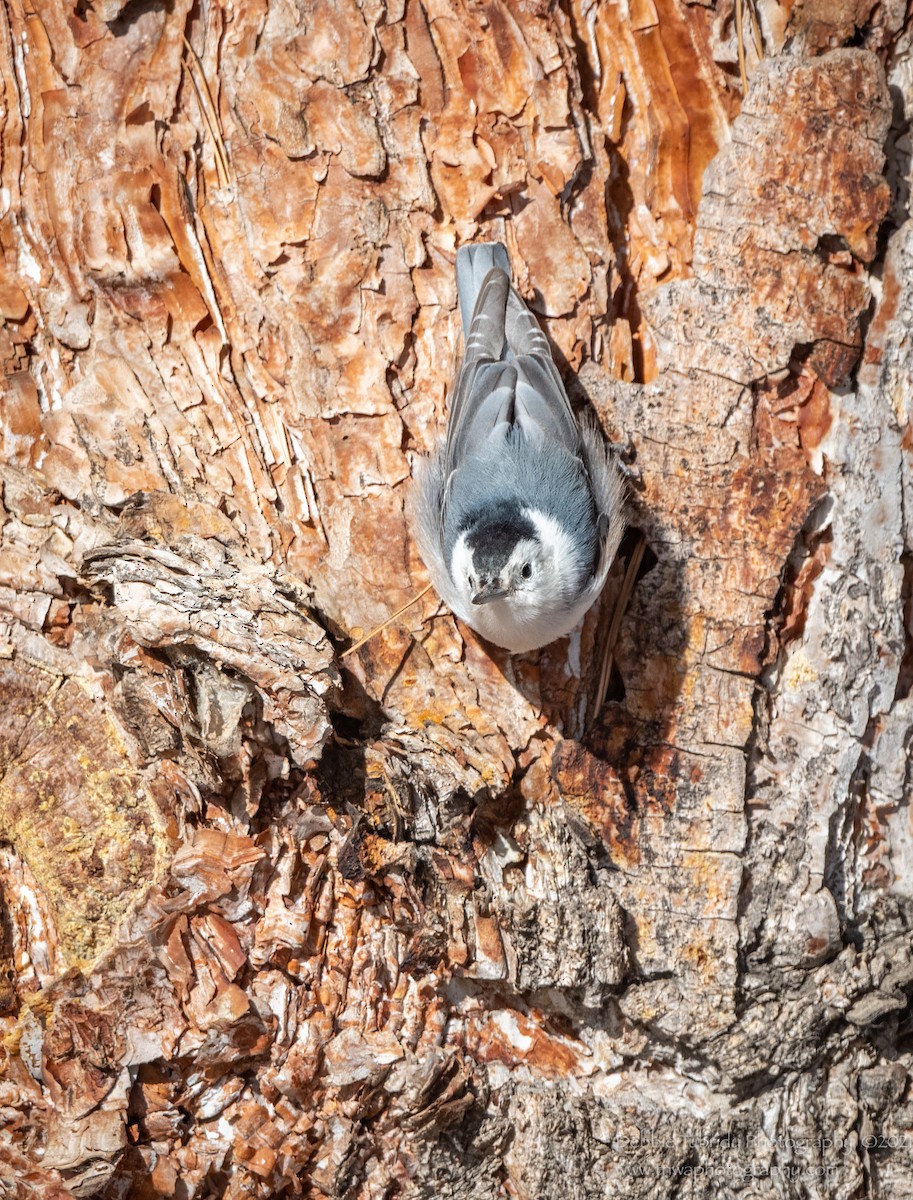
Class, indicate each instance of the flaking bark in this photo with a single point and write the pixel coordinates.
(431, 920)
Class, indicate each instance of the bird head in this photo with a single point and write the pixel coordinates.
(498, 560)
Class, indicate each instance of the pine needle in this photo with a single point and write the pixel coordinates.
(383, 625)
(621, 607)
(756, 29)
(210, 115)
(740, 38)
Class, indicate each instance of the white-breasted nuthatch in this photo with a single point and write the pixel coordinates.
(519, 511)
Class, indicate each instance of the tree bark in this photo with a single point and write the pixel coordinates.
(433, 920)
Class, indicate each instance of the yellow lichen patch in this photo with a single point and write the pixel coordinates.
(798, 671)
(73, 807)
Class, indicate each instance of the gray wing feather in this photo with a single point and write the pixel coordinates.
(546, 409)
(426, 502)
(483, 403)
(483, 397)
(543, 411)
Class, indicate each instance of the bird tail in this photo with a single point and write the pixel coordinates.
(472, 267)
(505, 318)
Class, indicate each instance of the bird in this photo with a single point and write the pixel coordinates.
(519, 510)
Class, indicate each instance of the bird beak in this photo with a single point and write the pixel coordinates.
(486, 595)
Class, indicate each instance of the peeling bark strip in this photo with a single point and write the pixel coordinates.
(275, 925)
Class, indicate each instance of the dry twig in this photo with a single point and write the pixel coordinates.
(383, 625)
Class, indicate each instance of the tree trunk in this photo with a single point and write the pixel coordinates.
(432, 920)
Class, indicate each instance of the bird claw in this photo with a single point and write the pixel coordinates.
(625, 455)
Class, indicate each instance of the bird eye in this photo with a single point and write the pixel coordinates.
(526, 570)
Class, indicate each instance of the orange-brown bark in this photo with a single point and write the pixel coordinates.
(435, 920)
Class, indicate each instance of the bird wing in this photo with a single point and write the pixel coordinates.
(484, 393)
(543, 410)
(427, 504)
